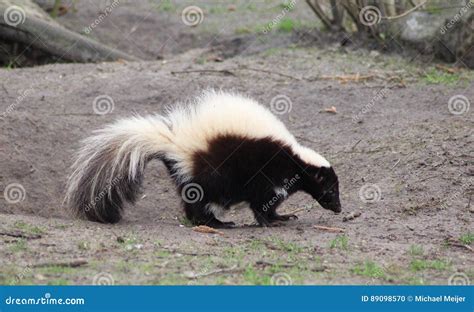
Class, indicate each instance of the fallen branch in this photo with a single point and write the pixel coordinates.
(19, 234)
(40, 31)
(192, 275)
(405, 13)
(329, 229)
(67, 264)
(222, 71)
(267, 263)
(206, 229)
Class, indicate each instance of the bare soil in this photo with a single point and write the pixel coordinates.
(393, 132)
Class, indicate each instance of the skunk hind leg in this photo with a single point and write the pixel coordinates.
(199, 214)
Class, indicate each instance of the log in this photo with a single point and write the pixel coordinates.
(32, 26)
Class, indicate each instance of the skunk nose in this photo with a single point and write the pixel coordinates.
(337, 209)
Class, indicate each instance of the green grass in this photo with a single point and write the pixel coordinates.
(417, 265)
(340, 242)
(83, 245)
(166, 6)
(286, 5)
(439, 77)
(19, 245)
(183, 220)
(286, 25)
(416, 250)
(369, 269)
(28, 228)
(289, 247)
(467, 238)
(254, 277)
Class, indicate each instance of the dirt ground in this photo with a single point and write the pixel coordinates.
(404, 160)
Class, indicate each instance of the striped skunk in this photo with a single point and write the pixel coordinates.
(222, 150)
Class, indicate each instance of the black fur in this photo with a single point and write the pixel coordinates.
(237, 169)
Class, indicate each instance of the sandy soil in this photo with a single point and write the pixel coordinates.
(393, 134)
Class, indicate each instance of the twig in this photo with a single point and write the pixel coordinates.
(405, 13)
(270, 72)
(267, 263)
(357, 143)
(329, 229)
(430, 177)
(20, 234)
(67, 264)
(398, 161)
(192, 275)
(221, 71)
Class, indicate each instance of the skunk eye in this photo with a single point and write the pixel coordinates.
(319, 179)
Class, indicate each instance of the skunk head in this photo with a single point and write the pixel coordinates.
(323, 185)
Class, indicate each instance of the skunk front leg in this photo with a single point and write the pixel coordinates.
(264, 209)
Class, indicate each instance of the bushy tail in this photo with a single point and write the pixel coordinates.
(109, 168)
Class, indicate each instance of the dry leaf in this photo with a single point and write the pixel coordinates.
(206, 229)
(329, 229)
(331, 109)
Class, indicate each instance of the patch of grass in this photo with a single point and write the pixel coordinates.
(287, 5)
(416, 250)
(162, 253)
(83, 245)
(256, 244)
(369, 269)
(467, 238)
(243, 30)
(58, 282)
(183, 220)
(166, 6)
(286, 25)
(253, 277)
(28, 228)
(415, 280)
(440, 77)
(19, 245)
(422, 264)
(340, 242)
(289, 247)
(56, 270)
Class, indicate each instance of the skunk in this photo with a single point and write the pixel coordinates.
(222, 150)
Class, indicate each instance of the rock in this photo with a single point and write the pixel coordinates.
(448, 34)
